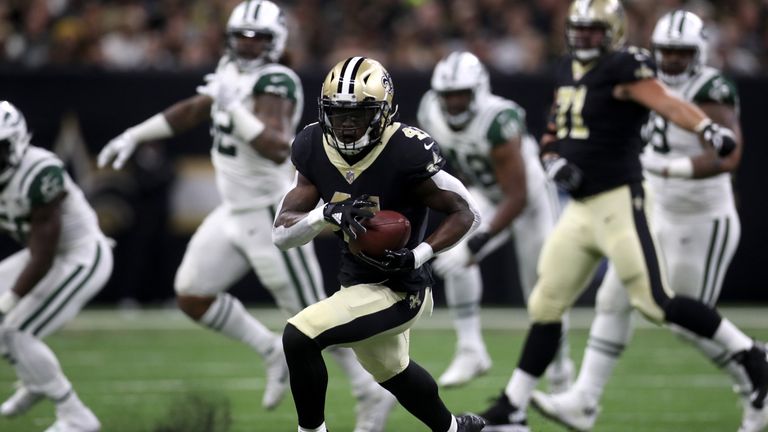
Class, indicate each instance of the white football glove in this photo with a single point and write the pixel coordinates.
(680, 167)
(454, 260)
(222, 88)
(118, 150)
(653, 163)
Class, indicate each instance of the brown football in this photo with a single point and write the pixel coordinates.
(387, 229)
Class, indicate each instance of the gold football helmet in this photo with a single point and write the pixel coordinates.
(607, 16)
(356, 104)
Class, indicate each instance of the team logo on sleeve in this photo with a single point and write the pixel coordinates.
(644, 72)
(51, 186)
(434, 166)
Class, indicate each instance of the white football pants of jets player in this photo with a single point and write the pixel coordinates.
(224, 248)
(463, 285)
(75, 276)
(697, 251)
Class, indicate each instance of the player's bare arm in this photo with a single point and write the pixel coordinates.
(298, 221)
(188, 113)
(445, 194)
(299, 201)
(45, 227)
(653, 94)
(274, 142)
(509, 168)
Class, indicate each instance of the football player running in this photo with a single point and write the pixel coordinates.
(694, 219)
(357, 159)
(254, 104)
(65, 261)
(484, 138)
(604, 92)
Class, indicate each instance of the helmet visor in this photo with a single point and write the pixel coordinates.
(249, 44)
(349, 122)
(675, 60)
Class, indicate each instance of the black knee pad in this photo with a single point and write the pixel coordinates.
(295, 342)
(692, 315)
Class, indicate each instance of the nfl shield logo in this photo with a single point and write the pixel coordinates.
(350, 176)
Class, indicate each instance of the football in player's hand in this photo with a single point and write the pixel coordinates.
(387, 229)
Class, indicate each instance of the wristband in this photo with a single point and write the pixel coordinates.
(8, 300)
(421, 254)
(155, 127)
(247, 125)
(703, 124)
(680, 168)
(315, 218)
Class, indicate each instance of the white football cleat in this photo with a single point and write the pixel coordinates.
(571, 409)
(64, 426)
(19, 402)
(277, 377)
(373, 408)
(466, 365)
(73, 416)
(560, 376)
(753, 419)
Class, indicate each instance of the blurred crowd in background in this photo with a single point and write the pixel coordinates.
(509, 35)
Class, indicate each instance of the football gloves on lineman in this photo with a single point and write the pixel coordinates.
(222, 87)
(722, 139)
(118, 150)
(401, 260)
(477, 241)
(566, 175)
(348, 214)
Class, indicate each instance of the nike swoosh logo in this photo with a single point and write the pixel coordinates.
(427, 147)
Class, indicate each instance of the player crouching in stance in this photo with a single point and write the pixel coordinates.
(357, 159)
(65, 262)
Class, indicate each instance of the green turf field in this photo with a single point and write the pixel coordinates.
(143, 370)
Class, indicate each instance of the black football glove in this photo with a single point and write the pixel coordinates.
(722, 139)
(401, 260)
(348, 214)
(566, 175)
(477, 241)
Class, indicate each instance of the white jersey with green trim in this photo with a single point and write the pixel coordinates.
(245, 179)
(470, 148)
(40, 178)
(708, 196)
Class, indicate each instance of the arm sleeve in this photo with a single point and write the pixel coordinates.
(423, 157)
(718, 90)
(46, 186)
(633, 64)
(278, 84)
(507, 125)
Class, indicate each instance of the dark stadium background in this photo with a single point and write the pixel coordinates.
(55, 79)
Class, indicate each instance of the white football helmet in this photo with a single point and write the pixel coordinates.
(253, 18)
(679, 30)
(356, 104)
(458, 71)
(14, 139)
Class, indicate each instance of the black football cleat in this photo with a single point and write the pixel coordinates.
(503, 416)
(469, 423)
(755, 362)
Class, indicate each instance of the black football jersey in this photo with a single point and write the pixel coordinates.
(405, 157)
(597, 132)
